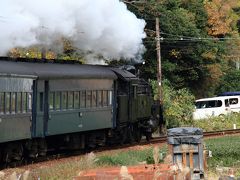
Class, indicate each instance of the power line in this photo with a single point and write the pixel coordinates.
(163, 39)
(189, 38)
(199, 38)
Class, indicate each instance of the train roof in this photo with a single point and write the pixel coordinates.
(124, 74)
(50, 70)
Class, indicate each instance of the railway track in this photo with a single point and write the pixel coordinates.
(163, 139)
(66, 154)
(221, 133)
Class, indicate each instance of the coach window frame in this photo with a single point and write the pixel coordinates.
(7, 102)
(105, 98)
(110, 97)
(52, 101)
(88, 99)
(58, 100)
(76, 99)
(94, 98)
(64, 97)
(83, 94)
(99, 98)
(13, 102)
(2, 103)
(70, 100)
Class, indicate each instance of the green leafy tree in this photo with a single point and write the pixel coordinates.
(186, 60)
(229, 82)
(178, 105)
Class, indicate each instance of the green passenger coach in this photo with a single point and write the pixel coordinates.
(56, 105)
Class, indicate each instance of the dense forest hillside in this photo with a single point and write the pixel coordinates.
(200, 43)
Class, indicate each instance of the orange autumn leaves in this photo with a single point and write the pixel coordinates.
(221, 16)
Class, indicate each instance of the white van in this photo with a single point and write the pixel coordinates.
(216, 106)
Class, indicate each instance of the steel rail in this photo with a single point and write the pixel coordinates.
(163, 139)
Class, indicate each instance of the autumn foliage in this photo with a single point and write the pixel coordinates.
(221, 16)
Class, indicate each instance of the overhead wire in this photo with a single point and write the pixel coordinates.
(181, 38)
(176, 38)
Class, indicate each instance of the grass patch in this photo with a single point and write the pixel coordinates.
(216, 123)
(66, 169)
(59, 172)
(225, 151)
(56, 171)
(131, 157)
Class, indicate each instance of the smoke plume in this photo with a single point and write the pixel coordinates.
(102, 27)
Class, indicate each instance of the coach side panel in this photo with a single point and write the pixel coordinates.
(74, 105)
(15, 108)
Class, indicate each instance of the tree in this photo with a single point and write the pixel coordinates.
(222, 19)
(178, 105)
(66, 52)
(191, 57)
(229, 82)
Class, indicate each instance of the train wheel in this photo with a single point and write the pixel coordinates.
(148, 136)
(137, 134)
(123, 135)
(13, 152)
(130, 134)
(7, 154)
(1, 157)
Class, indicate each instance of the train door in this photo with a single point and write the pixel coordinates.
(122, 102)
(40, 109)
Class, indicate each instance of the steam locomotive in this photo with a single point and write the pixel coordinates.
(48, 105)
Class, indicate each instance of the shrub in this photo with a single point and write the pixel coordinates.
(217, 123)
(229, 82)
(178, 105)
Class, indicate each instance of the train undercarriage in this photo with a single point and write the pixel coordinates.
(24, 151)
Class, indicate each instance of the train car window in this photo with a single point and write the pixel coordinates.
(105, 98)
(41, 101)
(29, 102)
(70, 100)
(51, 101)
(99, 98)
(2, 102)
(94, 98)
(64, 100)
(83, 99)
(19, 102)
(109, 98)
(13, 102)
(57, 100)
(76, 100)
(24, 102)
(7, 102)
(88, 98)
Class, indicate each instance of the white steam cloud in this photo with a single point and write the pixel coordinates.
(103, 27)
